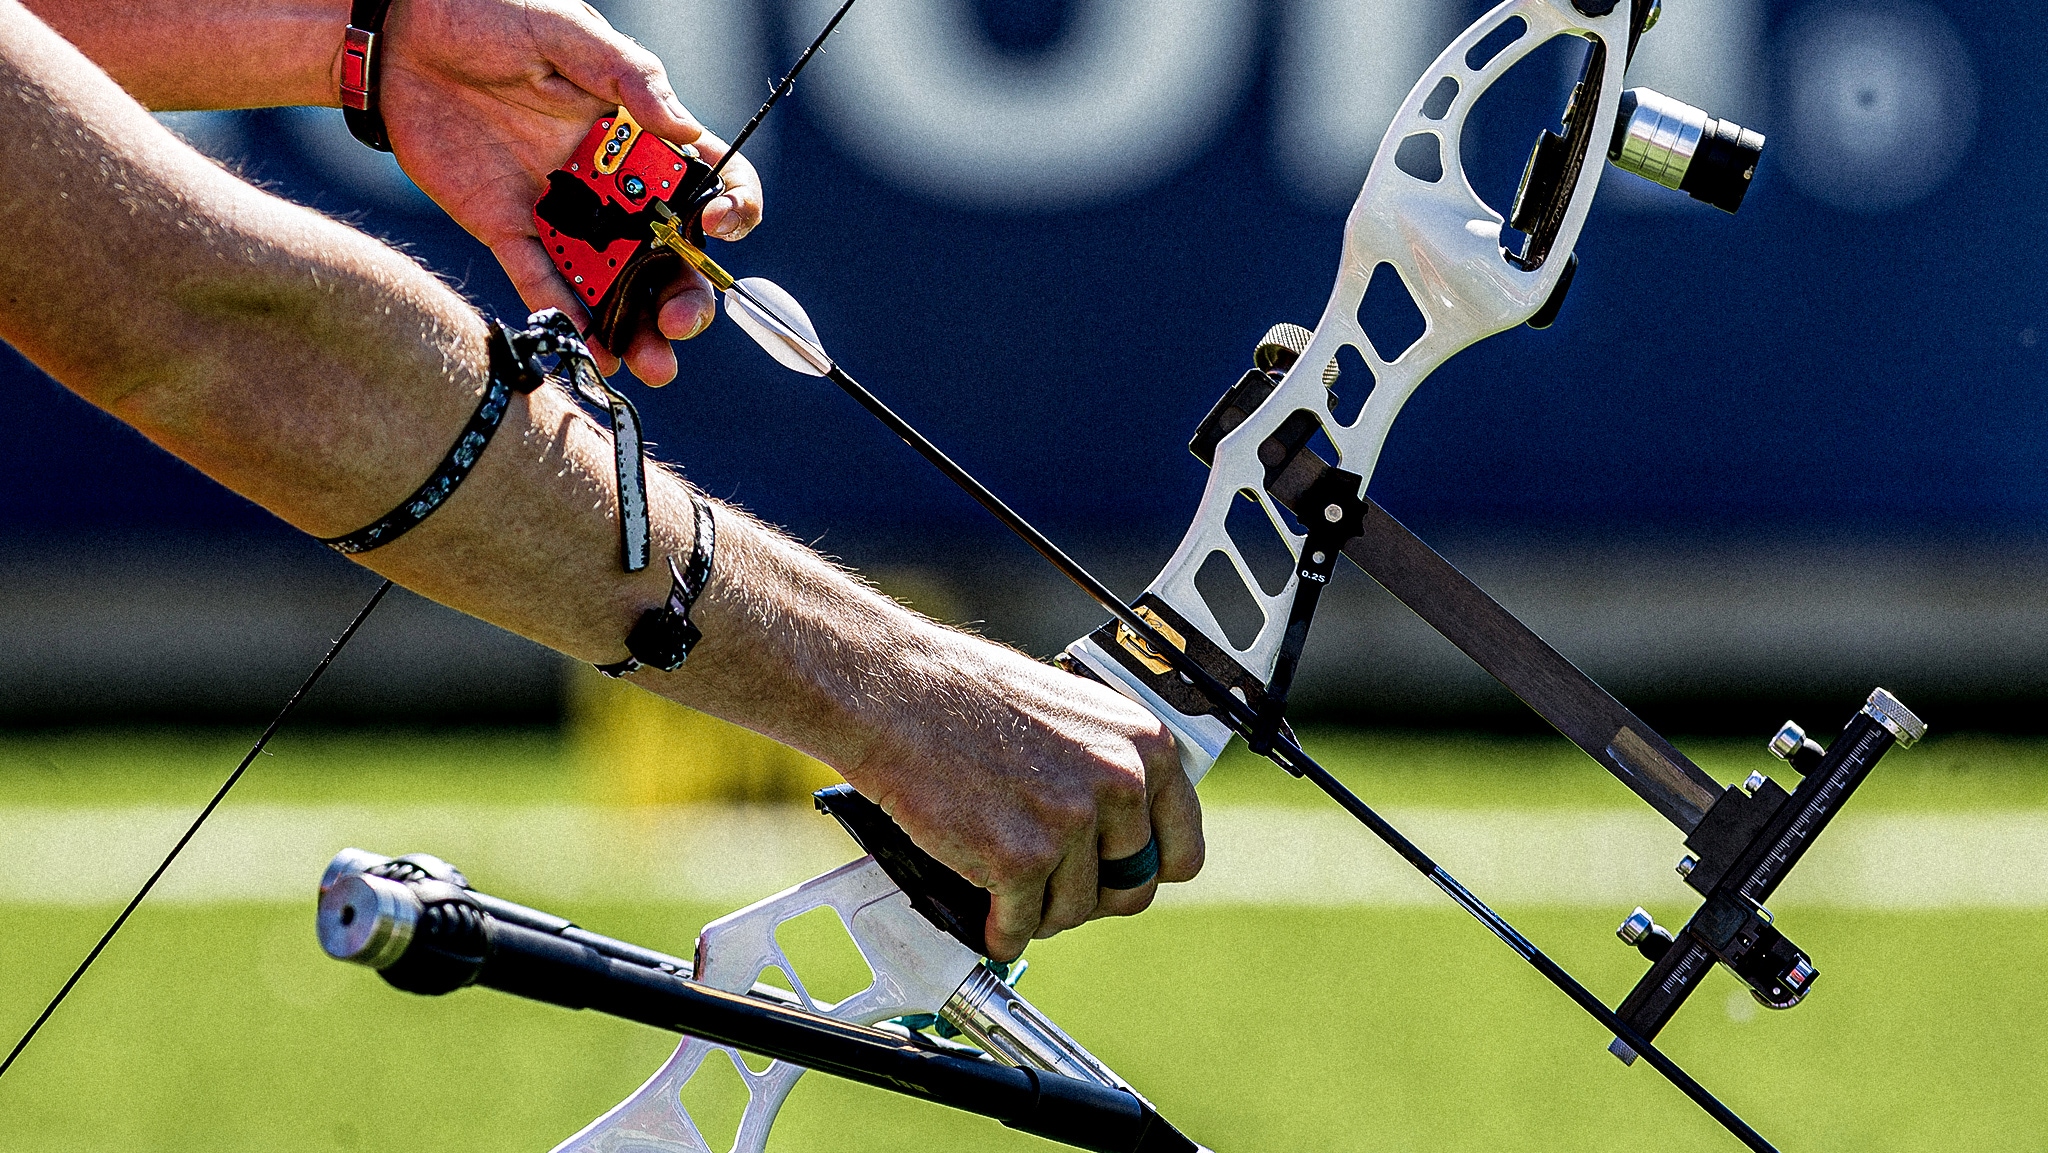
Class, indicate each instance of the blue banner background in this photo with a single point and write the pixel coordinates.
(1848, 356)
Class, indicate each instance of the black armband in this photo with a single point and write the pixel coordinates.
(510, 373)
(518, 366)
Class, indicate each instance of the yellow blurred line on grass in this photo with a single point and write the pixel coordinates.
(636, 748)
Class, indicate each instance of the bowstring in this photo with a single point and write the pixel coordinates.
(219, 795)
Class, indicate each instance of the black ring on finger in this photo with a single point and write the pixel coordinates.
(1131, 872)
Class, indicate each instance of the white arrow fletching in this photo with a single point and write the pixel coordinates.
(778, 324)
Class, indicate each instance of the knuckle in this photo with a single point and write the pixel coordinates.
(1186, 865)
(1125, 788)
(1020, 866)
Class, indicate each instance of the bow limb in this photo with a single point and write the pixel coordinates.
(1446, 245)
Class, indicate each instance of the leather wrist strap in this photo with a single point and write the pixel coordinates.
(361, 58)
(663, 637)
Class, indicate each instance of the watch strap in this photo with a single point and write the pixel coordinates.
(361, 61)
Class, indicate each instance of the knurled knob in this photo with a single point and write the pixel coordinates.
(1282, 345)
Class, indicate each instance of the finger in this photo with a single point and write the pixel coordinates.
(1071, 894)
(735, 212)
(1126, 824)
(651, 357)
(1014, 913)
(540, 285)
(1177, 821)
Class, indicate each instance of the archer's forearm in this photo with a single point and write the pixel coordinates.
(323, 375)
(217, 54)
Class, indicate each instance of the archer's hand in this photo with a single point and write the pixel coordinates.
(1022, 778)
(483, 98)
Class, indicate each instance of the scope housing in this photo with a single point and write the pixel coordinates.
(1668, 141)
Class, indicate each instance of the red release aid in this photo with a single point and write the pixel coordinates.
(596, 219)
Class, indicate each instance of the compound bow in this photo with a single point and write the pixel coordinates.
(917, 925)
(1418, 217)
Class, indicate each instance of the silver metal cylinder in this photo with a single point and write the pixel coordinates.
(1790, 739)
(367, 920)
(1658, 137)
(347, 863)
(1637, 926)
(1008, 1028)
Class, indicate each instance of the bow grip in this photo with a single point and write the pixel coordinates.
(945, 898)
(597, 215)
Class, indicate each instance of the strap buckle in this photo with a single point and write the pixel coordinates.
(358, 52)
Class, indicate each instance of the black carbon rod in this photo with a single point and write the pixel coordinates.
(1289, 755)
(452, 948)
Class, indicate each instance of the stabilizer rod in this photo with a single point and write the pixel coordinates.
(433, 937)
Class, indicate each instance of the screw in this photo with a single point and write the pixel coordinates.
(634, 186)
(1333, 513)
(1790, 739)
(1687, 864)
(1637, 926)
(1753, 782)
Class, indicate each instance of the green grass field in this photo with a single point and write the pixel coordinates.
(222, 1027)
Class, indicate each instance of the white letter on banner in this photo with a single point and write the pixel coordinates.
(1343, 68)
(1130, 92)
(1708, 53)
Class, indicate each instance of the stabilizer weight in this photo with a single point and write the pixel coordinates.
(433, 936)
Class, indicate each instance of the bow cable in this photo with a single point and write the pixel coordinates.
(219, 795)
(781, 89)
